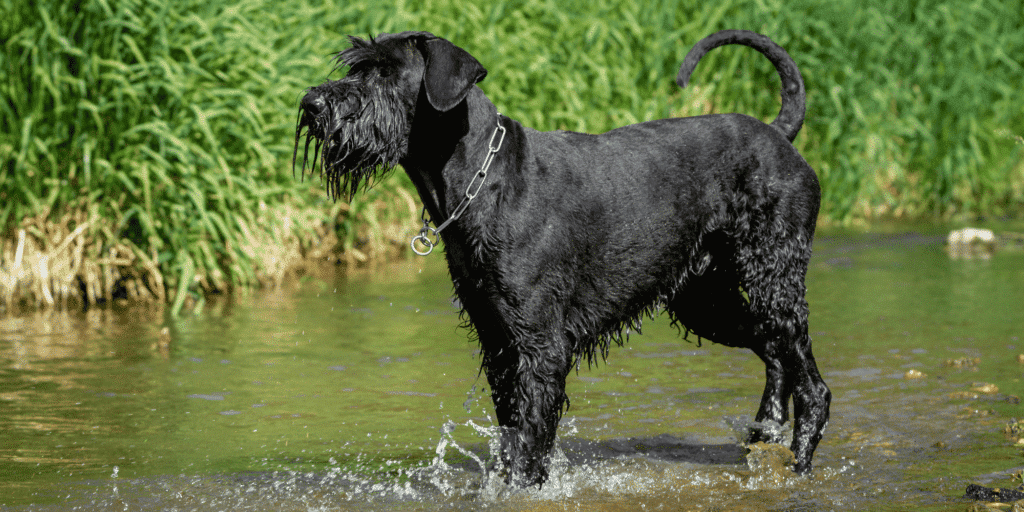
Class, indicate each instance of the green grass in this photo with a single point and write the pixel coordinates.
(166, 128)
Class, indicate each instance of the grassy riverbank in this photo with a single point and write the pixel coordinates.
(145, 145)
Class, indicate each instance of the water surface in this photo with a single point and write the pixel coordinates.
(338, 392)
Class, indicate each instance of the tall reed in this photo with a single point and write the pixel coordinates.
(153, 138)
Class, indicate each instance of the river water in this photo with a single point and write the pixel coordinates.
(358, 392)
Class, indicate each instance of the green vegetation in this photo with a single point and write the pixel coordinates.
(145, 145)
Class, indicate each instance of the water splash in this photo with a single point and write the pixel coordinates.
(438, 470)
(465, 472)
(742, 426)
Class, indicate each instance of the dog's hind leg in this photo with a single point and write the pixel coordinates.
(791, 361)
(771, 320)
(712, 305)
(772, 273)
(811, 401)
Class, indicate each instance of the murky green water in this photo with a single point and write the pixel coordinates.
(332, 395)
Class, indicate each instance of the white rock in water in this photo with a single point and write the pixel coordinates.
(971, 235)
(971, 243)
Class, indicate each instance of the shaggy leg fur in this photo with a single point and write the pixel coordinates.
(772, 323)
(538, 397)
(527, 378)
(526, 366)
(776, 288)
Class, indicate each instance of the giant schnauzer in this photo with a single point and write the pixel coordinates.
(559, 243)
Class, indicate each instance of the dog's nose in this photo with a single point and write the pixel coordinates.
(313, 103)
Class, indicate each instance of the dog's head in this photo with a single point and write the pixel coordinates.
(359, 125)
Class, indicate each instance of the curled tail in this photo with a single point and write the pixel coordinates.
(791, 115)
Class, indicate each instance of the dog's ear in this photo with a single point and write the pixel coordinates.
(450, 73)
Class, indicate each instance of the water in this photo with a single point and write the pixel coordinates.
(358, 392)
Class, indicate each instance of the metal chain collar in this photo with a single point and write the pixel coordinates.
(471, 191)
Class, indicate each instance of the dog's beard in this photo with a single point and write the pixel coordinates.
(354, 149)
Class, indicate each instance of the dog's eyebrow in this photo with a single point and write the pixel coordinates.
(368, 55)
(368, 51)
(350, 57)
(360, 50)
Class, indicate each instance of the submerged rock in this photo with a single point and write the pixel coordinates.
(985, 388)
(770, 462)
(995, 494)
(914, 374)
(964, 362)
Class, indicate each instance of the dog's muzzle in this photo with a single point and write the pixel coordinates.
(349, 144)
(324, 110)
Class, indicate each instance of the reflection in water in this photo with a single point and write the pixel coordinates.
(355, 392)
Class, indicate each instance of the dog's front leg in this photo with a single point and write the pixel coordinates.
(527, 378)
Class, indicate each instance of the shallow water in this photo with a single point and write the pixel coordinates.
(338, 393)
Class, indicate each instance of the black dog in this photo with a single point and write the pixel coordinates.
(559, 242)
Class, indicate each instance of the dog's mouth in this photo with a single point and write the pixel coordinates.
(347, 153)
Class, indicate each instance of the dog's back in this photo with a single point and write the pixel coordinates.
(622, 220)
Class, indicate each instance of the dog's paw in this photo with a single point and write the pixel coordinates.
(766, 432)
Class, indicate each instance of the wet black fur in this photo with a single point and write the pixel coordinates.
(575, 238)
